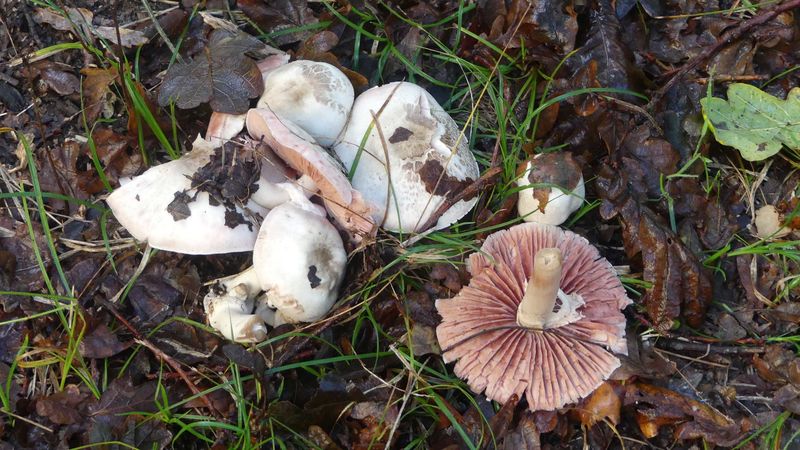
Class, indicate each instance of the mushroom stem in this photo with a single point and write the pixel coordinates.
(540, 294)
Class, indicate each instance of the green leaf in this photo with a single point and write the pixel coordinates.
(754, 122)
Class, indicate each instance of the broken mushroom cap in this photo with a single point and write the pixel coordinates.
(503, 330)
(299, 260)
(229, 308)
(314, 95)
(552, 188)
(299, 150)
(412, 143)
(160, 207)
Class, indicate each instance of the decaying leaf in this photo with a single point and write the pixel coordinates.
(657, 407)
(754, 122)
(82, 18)
(65, 407)
(223, 75)
(603, 404)
(679, 283)
(96, 92)
(285, 19)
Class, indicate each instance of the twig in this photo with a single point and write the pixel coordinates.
(140, 339)
(679, 345)
(727, 38)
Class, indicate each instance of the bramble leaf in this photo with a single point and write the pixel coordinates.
(754, 122)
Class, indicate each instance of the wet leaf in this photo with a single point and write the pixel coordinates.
(101, 343)
(82, 18)
(657, 407)
(222, 75)
(283, 19)
(603, 404)
(754, 122)
(525, 436)
(65, 407)
(680, 285)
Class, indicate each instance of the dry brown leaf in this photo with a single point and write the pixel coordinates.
(96, 91)
(604, 403)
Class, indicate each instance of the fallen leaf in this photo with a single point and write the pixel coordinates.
(82, 18)
(101, 343)
(96, 91)
(65, 407)
(657, 407)
(603, 404)
(679, 284)
(223, 75)
(525, 436)
(754, 122)
(276, 16)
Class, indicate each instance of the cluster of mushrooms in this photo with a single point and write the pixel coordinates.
(541, 314)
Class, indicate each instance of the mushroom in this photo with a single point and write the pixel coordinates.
(414, 157)
(503, 330)
(161, 206)
(298, 261)
(314, 95)
(552, 188)
(769, 223)
(301, 152)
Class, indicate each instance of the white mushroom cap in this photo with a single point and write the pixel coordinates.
(300, 261)
(428, 158)
(560, 191)
(143, 207)
(314, 95)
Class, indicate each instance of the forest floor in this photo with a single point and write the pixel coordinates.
(104, 341)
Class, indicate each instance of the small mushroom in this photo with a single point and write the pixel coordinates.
(298, 262)
(414, 157)
(314, 95)
(537, 318)
(301, 152)
(768, 223)
(552, 188)
(160, 206)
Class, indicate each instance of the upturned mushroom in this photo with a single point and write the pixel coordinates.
(302, 153)
(540, 317)
(298, 262)
(413, 157)
(551, 188)
(166, 207)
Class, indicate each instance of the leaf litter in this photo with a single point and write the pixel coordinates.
(713, 332)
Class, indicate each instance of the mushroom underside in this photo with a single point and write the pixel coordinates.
(551, 367)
